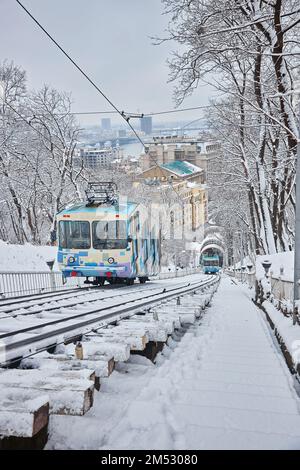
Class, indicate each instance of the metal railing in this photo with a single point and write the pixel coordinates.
(14, 284)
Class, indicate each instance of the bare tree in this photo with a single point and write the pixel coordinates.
(247, 48)
(38, 137)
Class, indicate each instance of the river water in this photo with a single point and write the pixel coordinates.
(133, 150)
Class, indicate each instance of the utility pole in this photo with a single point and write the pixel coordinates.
(242, 255)
(297, 235)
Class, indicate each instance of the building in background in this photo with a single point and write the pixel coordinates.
(168, 149)
(184, 210)
(93, 158)
(105, 124)
(146, 125)
(122, 133)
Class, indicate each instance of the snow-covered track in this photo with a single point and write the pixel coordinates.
(42, 335)
(35, 307)
(47, 375)
(44, 302)
(48, 302)
(37, 299)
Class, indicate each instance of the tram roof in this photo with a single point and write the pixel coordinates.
(122, 209)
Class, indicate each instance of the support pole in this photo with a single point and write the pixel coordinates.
(297, 236)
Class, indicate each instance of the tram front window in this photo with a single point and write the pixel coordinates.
(211, 263)
(110, 234)
(74, 234)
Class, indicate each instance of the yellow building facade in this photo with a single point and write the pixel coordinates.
(181, 191)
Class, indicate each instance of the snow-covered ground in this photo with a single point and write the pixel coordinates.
(26, 257)
(224, 385)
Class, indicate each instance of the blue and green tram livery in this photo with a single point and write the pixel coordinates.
(211, 264)
(106, 240)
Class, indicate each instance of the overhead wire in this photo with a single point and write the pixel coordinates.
(117, 110)
(157, 113)
(121, 113)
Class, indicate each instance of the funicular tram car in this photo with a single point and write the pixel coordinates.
(211, 263)
(105, 239)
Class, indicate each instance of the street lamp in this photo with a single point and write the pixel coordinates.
(50, 264)
(243, 270)
(249, 267)
(266, 264)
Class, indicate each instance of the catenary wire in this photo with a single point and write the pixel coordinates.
(121, 113)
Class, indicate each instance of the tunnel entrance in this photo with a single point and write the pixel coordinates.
(213, 251)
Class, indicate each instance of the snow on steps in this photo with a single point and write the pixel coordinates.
(179, 318)
(200, 301)
(24, 414)
(70, 382)
(69, 392)
(136, 337)
(156, 331)
(132, 334)
(186, 312)
(102, 365)
(94, 345)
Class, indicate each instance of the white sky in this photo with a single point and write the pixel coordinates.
(109, 39)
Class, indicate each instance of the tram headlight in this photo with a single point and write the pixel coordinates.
(111, 260)
(71, 259)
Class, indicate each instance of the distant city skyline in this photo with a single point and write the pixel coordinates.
(111, 42)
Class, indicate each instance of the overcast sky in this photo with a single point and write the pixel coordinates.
(110, 41)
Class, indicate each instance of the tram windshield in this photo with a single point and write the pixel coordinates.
(74, 234)
(211, 262)
(110, 234)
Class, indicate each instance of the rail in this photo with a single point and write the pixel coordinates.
(13, 284)
(14, 345)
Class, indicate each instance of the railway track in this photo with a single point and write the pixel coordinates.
(14, 306)
(38, 299)
(133, 320)
(62, 300)
(59, 320)
(66, 300)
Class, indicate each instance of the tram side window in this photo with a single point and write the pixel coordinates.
(74, 234)
(110, 235)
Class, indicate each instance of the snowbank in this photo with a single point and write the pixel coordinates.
(288, 332)
(26, 257)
